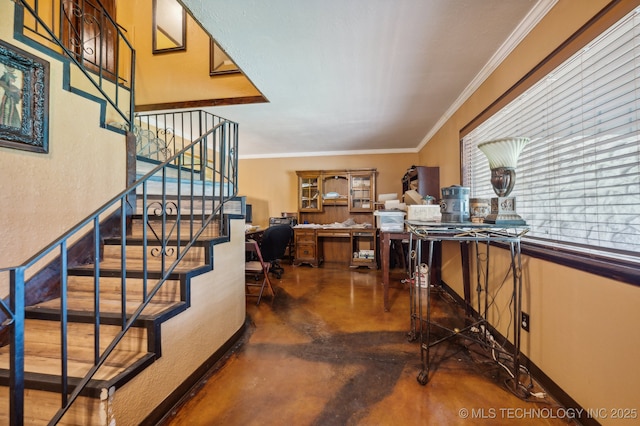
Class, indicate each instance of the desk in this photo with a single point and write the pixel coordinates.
(477, 328)
(254, 234)
(385, 251)
(355, 246)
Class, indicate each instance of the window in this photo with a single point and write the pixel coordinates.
(578, 180)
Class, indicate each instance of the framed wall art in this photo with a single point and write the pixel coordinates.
(219, 62)
(169, 26)
(24, 100)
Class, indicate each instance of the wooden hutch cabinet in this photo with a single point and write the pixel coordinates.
(309, 192)
(327, 199)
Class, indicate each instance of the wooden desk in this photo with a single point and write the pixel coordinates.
(255, 234)
(317, 244)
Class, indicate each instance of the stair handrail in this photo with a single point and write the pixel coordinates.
(169, 132)
(98, 81)
(220, 175)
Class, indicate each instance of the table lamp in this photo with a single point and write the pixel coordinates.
(503, 157)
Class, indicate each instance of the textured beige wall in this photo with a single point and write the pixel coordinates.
(584, 332)
(271, 185)
(175, 76)
(43, 195)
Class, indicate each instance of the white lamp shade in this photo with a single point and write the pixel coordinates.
(503, 152)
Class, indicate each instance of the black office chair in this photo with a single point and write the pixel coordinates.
(273, 246)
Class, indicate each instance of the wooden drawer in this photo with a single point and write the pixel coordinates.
(306, 235)
(305, 252)
(334, 233)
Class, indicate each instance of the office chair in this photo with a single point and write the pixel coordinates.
(274, 243)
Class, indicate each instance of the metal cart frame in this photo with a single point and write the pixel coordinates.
(477, 325)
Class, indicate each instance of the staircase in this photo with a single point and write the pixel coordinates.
(70, 354)
(140, 346)
(105, 328)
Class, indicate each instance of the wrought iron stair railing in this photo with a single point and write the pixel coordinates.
(87, 34)
(190, 191)
(159, 135)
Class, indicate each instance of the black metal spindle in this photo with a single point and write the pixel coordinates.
(16, 362)
(145, 241)
(123, 259)
(163, 233)
(179, 202)
(96, 286)
(64, 325)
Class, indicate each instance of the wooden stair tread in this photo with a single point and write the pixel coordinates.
(112, 367)
(111, 285)
(42, 349)
(208, 234)
(137, 265)
(86, 304)
(133, 295)
(212, 231)
(41, 406)
(135, 253)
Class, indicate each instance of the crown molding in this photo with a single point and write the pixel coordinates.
(329, 153)
(535, 15)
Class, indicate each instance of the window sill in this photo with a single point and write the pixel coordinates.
(618, 270)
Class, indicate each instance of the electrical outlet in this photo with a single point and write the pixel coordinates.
(524, 321)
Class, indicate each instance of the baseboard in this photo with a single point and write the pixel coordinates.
(549, 386)
(183, 392)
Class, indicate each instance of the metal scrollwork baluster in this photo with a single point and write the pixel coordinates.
(158, 210)
(159, 251)
(76, 34)
(167, 138)
(165, 151)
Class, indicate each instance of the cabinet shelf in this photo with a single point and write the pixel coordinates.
(335, 202)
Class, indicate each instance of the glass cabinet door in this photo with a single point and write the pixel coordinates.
(309, 191)
(361, 197)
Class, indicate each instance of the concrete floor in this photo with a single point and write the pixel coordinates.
(324, 352)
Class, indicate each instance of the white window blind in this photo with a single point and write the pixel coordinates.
(578, 180)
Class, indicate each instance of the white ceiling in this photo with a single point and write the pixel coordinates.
(358, 76)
